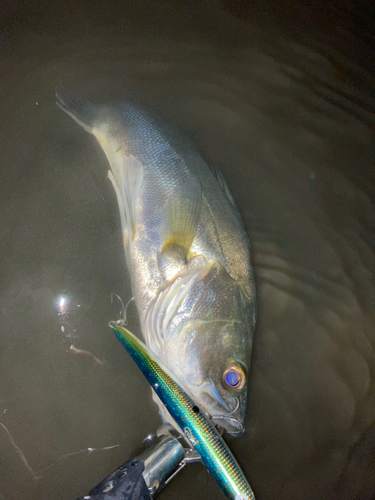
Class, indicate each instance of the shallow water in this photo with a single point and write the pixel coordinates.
(282, 102)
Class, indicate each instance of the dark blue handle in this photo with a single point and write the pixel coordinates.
(125, 483)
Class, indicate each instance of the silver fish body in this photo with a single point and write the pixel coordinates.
(187, 253)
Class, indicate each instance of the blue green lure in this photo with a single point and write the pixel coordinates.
(199, 430)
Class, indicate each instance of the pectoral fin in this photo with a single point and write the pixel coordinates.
(181, 219)
(127, 185)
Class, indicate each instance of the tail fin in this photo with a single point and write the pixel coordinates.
(83, 112)
(126, 172)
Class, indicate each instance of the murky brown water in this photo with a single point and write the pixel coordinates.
(268, 98)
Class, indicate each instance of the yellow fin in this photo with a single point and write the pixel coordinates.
(182, 218)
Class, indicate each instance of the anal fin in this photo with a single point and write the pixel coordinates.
(127, 184)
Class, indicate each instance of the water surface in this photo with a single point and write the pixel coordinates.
(282, 102)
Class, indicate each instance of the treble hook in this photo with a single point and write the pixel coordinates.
(230, 413)
(124, 309)
(240, 428)
(233, 421)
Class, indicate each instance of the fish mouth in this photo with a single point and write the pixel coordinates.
(223, 416)
(230, 422)
(231, 425)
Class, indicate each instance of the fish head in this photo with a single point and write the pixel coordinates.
(201, 326)
(212, 363)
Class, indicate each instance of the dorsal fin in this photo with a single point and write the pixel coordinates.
(223, 183)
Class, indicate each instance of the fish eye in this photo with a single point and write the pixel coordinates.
(234, 377)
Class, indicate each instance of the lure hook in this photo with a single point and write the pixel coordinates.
(124, 309)
(231, 420)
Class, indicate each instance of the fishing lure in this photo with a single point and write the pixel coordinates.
(199, 430)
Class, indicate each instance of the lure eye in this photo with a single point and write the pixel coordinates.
(234, 377)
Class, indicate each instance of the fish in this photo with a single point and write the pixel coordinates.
(187, 253)
(198, 429)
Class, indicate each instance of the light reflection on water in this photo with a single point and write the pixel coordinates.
(291, 127)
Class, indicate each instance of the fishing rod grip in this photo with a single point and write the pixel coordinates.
(142, 477)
